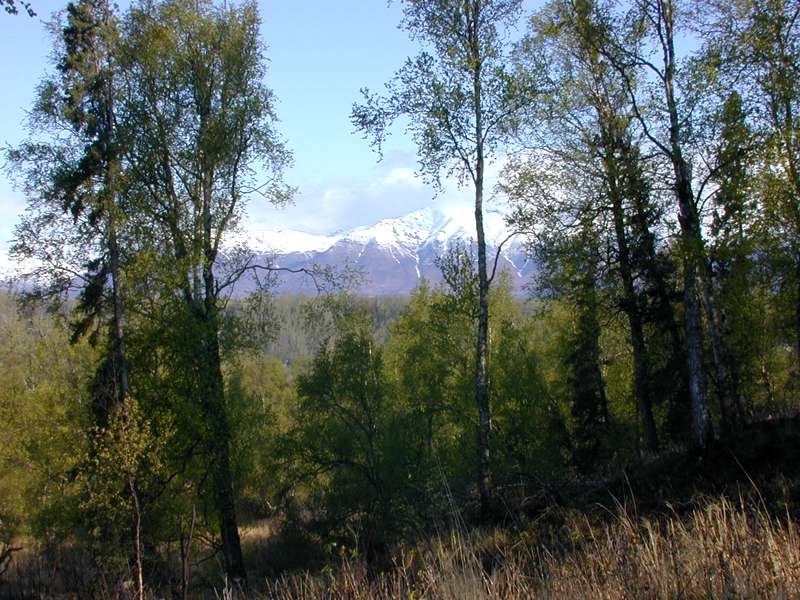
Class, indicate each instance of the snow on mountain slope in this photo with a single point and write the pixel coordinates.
(411, 232)
(393, 254)
(407, 233)
(286, 241)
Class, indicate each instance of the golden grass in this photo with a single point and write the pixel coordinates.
(720, 550)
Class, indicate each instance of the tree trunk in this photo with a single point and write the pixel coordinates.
(692, 251)
(701, 425)
(138, 540)
(229, 531)
(692, 247)
(691, 237)
(641, 371)
(482, 342)
(222, 477)
(649, 434)
(186, 548)
(599, 383)
(481, 356)
(214, 388)
(120, 358)
(797, 311)
(729, 401)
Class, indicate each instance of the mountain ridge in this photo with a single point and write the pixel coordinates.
(394, 254)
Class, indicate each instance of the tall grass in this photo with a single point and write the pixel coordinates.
(720, 550)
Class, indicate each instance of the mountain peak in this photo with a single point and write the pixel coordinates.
(394, 253)
(419, 228)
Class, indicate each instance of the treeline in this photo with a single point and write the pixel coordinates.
(656, 186)
(651, 163)
(292, 335)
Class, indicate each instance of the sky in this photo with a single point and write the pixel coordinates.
(320, 53)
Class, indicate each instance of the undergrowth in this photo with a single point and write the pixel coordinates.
(720, 549)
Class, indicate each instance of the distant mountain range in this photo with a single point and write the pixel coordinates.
(393, 254)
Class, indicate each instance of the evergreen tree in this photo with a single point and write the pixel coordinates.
(72, 168)
(642, 43)
(590, 126)
(754, 49)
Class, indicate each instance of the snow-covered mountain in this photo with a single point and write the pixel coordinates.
(393, 254)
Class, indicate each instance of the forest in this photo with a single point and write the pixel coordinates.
(626, 429)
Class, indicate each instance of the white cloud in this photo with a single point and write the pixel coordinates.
(12, 204)
(402, 175)
(392, 189)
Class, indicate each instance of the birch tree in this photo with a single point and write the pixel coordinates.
(461, 102)
(204, 142)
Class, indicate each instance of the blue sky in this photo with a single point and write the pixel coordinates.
(321, 53)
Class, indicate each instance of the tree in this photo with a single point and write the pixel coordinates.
(754, 49)
(559, 204)
(589, 126)
(73, 177)
(421, 367)
(733, 243)
(585, 379)
(10, 6)
(461, 103)
(527, 416)
(44, 414)
(431, 362)
(641, 43)
(204, 126)
(344, 426)
(123, 459)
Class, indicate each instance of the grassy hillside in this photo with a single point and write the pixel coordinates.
(724, 525)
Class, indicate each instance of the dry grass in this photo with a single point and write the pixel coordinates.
(720, 550)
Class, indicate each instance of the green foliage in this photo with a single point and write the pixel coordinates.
(437, 91)
(344, 429)
(116, 477)
(529, 423)
(43, 409)
(382, 438)
(346, 423)
(431, 363)
(462, 104)
(71, 171)
(261, 400)
(201, 138)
